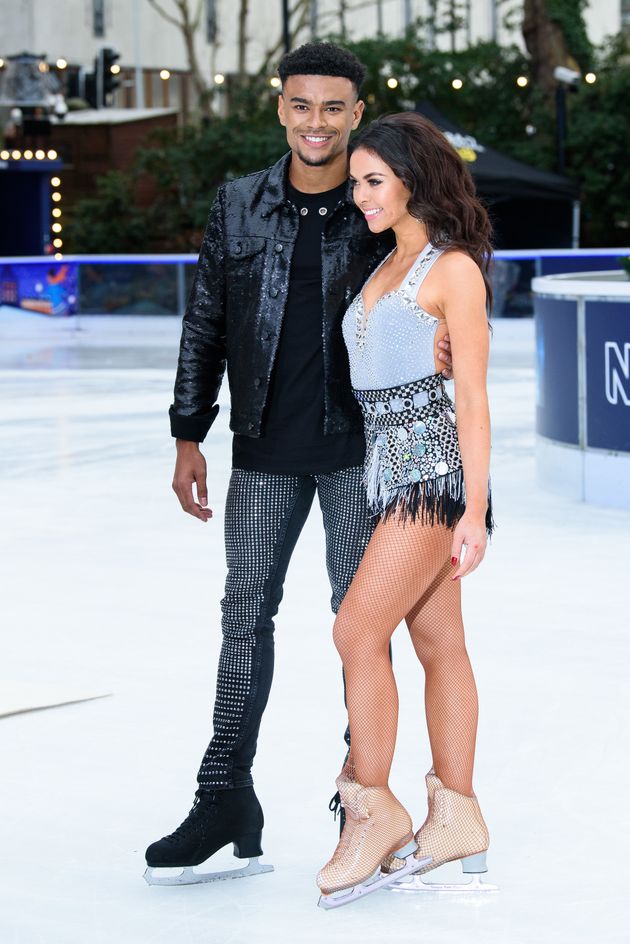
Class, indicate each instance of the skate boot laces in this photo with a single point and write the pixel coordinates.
(205, 804)
(335, 805)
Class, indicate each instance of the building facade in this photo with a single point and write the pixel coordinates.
(155, 69)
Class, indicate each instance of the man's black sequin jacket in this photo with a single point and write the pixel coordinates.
(237, 302)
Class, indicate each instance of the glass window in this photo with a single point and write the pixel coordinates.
(98, 17)
(211, 21)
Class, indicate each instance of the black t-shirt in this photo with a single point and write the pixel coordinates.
(293, 439)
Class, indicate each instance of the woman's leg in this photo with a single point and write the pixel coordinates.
(401, 563)
(437, 632)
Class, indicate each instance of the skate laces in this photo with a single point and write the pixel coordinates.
(196, 820)
(335, 805)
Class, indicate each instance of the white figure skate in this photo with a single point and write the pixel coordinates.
(454, 829)
(375, 824)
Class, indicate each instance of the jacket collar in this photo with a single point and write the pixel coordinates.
(275, 189)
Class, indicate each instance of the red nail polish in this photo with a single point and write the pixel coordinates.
(453, 561)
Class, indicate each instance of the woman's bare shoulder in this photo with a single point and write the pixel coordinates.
(456, 262)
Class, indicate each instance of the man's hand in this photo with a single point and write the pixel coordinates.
(444, 355)
(191, 467)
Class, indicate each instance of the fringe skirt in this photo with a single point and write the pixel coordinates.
(413, 465)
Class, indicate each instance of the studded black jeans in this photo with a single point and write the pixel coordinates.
(264, 516)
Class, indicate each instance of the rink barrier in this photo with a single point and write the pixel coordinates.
(159, 283)
(582, 323)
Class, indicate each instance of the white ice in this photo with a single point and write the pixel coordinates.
(108, 587)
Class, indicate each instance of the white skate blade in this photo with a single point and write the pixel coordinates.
(188, 876)
(378, 881)
(416, 883)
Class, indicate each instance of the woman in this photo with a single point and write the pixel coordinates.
(427, 479)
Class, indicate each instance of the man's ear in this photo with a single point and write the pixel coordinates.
(357, 114)
(281, 117)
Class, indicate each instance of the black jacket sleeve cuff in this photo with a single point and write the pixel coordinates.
(193, 428)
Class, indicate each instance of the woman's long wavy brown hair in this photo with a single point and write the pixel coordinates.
(442, 190)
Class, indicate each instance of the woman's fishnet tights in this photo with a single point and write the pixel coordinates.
(406, 573)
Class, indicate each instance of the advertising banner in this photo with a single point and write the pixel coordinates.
(48, 288)
(608, 375)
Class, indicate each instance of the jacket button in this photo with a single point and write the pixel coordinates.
(238, 248)
(273, 292)
(257, 381)
(265, 335)
(279, 247)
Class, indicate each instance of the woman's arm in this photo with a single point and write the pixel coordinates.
(463, 297)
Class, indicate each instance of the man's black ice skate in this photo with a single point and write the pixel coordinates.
(217, 818)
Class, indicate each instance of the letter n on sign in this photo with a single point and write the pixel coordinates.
(617, 372)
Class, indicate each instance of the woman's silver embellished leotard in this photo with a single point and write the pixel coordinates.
(413, 463)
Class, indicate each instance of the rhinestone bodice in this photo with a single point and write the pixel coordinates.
(395, 343)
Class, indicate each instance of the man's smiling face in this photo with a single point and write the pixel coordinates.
(319, 112)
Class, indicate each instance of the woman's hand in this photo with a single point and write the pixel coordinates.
(471, 533)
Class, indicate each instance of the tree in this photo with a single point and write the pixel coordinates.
(188, 24)
(242, 40)
(299, 16)
(187, 167)
(111, 220)
(599, 142)
(555, 35)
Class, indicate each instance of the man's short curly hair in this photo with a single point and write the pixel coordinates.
(322, 59)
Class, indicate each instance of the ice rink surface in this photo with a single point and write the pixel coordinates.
(107, 587)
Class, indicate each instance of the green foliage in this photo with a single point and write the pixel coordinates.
(489, 104)
(569, 15)
(109, 221)
(186, 167)
(599, 148)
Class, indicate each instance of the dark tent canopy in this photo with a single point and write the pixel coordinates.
(529, 207)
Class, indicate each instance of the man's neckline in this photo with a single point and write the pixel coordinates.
(318, 195)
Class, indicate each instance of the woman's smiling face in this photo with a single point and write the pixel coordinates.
(377, 191)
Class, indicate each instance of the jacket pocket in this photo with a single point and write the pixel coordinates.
(244, 247)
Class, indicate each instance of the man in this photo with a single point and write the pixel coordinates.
(284, 252)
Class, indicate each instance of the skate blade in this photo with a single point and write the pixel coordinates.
(415, 883)
(188, 876)
(374, 884)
